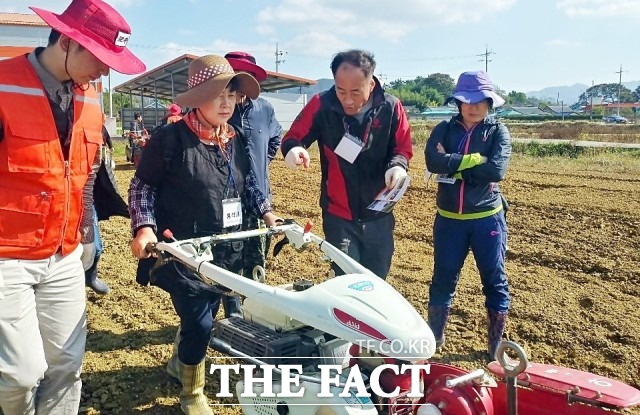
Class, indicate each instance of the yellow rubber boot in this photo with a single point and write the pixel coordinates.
(191, 377)
(192, 399)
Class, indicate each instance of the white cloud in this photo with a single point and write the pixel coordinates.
(168, 51)
(58, 6)
(317, 44)
(600, 8)
(562, 43)
(316, 29)
(375, 18)
(126, 3)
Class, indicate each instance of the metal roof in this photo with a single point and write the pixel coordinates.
(20, 19)
(168, 80)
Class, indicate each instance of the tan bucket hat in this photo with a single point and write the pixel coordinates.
(208, 76)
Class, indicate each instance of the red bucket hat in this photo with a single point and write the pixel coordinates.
(245, 62)
(174, 109)
(100, 29)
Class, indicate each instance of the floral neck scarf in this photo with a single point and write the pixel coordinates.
(219, 135)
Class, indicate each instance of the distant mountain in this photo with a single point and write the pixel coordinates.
(570, 94)
(322, 85)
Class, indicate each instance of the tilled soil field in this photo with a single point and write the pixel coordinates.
(573, 268)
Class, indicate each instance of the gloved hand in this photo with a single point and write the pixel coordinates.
(297, 156)
(483, 159)
(88, 255)
(393, 175)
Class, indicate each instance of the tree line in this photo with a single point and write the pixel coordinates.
(431, 91)
(609, 93)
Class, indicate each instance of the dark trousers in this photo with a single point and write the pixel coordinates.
(487, 238)
(197, 312)
(370, 243)
(196, 323)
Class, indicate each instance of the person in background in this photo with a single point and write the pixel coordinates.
(50, 122)
(195, 179)
(469, 156)
(365, 146)
(256, 120)
(175, 113)
(136, 127)
(107, 203)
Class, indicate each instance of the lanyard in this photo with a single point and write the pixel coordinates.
(230, 181)
(367, 128)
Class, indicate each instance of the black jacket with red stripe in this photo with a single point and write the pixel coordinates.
(347, 189)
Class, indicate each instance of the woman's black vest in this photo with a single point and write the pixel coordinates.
(189, 202)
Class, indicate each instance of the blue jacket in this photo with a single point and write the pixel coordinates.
(475, 192)
(257, 122)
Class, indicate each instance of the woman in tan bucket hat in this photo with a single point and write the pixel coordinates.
(194, 179)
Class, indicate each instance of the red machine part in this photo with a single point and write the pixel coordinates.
(465, 399)
(389, 381)
(401, 404)
(542, 390)
(563, 391)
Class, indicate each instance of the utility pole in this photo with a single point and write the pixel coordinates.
(591, 96)
(279, 54)
(619, 87)
(110, 97)
(485, 56)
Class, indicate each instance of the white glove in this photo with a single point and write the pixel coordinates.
(297, 156)
(88, 255)
(483, 159)
(393, 175)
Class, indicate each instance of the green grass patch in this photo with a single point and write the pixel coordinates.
(118, 147)
(536, 149)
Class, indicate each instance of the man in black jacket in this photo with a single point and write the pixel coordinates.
(365, 146)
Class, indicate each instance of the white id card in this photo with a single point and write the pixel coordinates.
(231, 212)
(445, 178)
(349, 147)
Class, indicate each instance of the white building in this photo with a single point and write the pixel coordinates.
(170, 79)
(21, 33)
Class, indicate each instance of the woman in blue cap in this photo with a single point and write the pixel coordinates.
(469, 155)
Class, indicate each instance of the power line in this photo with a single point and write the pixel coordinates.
(486, 59)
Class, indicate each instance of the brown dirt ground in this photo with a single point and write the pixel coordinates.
(573, 270)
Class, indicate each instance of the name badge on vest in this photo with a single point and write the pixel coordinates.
(445, 178)
(231, 212)
(349, 147)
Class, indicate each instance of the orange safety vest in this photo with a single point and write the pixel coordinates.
(40, 192)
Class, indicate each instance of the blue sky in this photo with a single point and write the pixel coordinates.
(536, 43)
